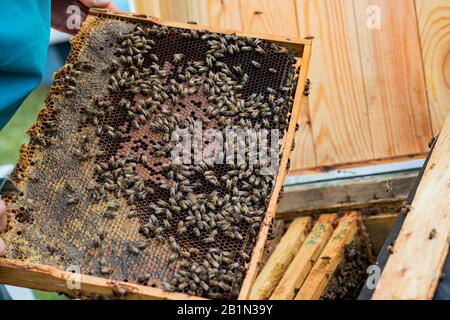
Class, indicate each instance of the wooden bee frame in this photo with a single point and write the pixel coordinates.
(35, 276)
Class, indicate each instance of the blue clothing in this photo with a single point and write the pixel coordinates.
(24, 39)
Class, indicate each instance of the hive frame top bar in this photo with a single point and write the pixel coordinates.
(294, 44)
(23, 273)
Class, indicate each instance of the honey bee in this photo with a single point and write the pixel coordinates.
(177, 58)
(145, 278)
(106, 270)
(185, 254)
(209, 240)
(110, 214)
(432, 234)
(133, 249)
(406, 208)
(194, 251)
(260, 50)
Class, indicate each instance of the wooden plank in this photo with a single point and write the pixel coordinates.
(330, 258)
(185, 11)
(329, 196)
(280, 259)
(434, 26)
(394, 79)
(148, 7)
(304, 154)
(338, 108)
(269, 16)
(34, 276)
(357, 164)
(174, 10)
(414, 269)
(225, 14)
(379, 228)
(306, 257)
(382, 258)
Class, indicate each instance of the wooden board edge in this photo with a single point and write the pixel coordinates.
(330, 258)
(36, 276)
(293, 43)
(271, 272)
(316, 240)
(365, 163)
(425, 284)
(346, 194)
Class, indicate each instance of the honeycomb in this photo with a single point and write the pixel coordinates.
(99, 189)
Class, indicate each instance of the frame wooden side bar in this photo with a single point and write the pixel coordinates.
(294, 44)
(272, 208)
(306, 257)
(331, 257)
(419, 253)
(280, 259)
(35, 276)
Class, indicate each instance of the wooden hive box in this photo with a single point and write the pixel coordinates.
(322, 257)
(37, 261)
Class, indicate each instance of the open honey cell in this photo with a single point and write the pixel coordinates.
(107, 192)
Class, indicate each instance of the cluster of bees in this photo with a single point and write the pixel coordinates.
(215, 206)
(348, 279)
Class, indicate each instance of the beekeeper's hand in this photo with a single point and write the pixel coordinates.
(68, 15)
(2, 225)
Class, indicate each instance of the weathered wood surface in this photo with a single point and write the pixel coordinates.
(337, 104)
(394, 80)
(414, 268)
(280, 259)
(342, 194)
(369, 86)
(34, 276)
(305, 258)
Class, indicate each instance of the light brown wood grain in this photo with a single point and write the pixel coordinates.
(414, 269)
(305, 258)
(149, 7)
(269, 16)
(280, 259)
(304, 154)
(330, 258)
(434, 26)
(393, 78)
(368, 99)
(35, 276)
(225, 14)
(338, 109)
